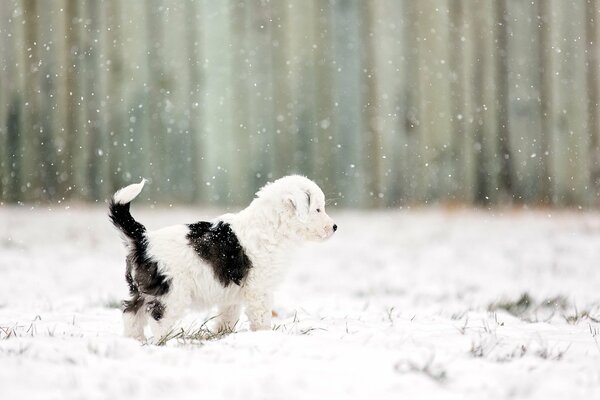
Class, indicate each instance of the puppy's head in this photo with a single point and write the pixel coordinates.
(302, 207)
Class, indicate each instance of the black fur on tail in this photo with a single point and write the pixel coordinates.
(121, 218)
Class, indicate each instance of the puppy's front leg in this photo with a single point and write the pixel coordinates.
(228, 318)
(258, 310)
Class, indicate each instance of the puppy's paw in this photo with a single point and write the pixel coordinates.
(223, 327)
(260, 327)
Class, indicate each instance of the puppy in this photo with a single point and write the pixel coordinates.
(233, 261)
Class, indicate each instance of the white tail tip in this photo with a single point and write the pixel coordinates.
(128, 193)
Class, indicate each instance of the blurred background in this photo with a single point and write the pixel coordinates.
(383, 103)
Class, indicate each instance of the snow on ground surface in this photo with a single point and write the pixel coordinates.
(401, 304)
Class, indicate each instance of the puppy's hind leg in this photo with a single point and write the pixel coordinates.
(134, 319)
(133, 324)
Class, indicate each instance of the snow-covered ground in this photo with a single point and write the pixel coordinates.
(399, 304)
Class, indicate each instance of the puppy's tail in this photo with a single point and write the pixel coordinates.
(118, 212)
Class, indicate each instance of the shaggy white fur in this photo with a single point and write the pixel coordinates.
(284, 212)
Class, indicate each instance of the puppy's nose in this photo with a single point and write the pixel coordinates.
(334, 227)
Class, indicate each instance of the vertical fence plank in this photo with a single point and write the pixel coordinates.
(568, 111)
(485, 107)
(558, 145)
(12, 187)
(175, 107)
(524, 113)
(546, 77)
(5, 34)
(59, 98)
(347, 31)
(75, 145)
(460, 83)
(390, 62)
(157, 95)
(371, 107)
(592, 41)
(216, 142)
(324, 154)
(136, 142)
(116, 125)
(241, 174)
(302, 85)
(411, 98)
(435, 100)
(33, 131)
(96, 167)
(573, 103)
(501, 33)
(260, 91)
(194, 107)
(282, 86)
(52, 85)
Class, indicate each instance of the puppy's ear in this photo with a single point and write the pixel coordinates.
(295, 203)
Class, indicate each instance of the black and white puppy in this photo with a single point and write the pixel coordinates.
(233, 261)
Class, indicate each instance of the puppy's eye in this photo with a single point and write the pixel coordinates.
(318, 210)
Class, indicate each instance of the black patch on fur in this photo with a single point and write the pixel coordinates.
(147, 280)
(121, 218)
(219, 246)
(142, 273)
(156, 309)
(133, 305)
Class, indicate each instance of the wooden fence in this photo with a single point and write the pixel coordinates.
(383, 103)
